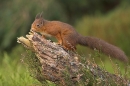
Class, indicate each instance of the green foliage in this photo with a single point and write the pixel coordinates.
(19, 69)
(34, 66)
(113, 27)
(14, 73)
(75, 8)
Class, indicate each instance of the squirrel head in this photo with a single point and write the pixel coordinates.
(38, 23)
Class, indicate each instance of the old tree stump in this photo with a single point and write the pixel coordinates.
(48, 61)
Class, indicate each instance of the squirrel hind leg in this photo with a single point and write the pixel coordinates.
(69, 47)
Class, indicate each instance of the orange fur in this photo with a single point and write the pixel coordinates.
(69, 38)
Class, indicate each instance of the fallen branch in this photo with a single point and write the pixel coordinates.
(63, 67)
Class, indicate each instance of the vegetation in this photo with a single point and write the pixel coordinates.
(16, 16)
(14, 72)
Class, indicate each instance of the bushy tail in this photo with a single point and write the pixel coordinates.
(104, 47)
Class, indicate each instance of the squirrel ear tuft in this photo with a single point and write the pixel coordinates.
(37, 16)
(41, 15)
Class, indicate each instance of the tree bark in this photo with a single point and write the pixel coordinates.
(63, 67)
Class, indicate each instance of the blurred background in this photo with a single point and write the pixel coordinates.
(105, 19)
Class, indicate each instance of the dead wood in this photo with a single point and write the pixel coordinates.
(63, 67)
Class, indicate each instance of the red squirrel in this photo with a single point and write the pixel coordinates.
(68, 37)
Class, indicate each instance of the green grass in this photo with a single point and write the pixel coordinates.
(13, 72)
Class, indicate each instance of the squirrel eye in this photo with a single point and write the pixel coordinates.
(38, 25)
